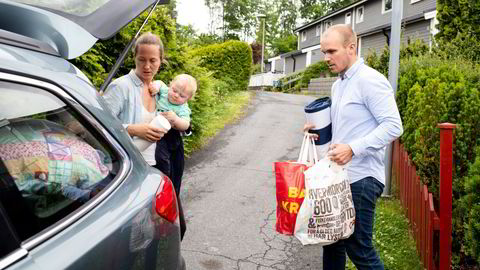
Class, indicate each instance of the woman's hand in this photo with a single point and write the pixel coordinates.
(171, 117)
(146, 131)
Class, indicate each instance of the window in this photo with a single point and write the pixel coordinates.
(327, 25)
(52, 161)
(318, 30)
(304, 35)
(386, 6)
(348, 18)
(359, 16)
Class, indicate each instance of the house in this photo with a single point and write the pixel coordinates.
(370, 19)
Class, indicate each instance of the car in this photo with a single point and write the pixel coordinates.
(75, 193)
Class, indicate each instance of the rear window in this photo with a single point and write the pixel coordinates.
(74, 7)
(52, 161)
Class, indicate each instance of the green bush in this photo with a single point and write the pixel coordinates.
(318, 69)
(471, 203)
(380, 63)
(230, 61)
(432, 89)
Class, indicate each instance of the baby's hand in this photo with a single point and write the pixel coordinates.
(171, 116)
(153, 88)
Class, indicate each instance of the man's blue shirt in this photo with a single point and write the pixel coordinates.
(365, 116)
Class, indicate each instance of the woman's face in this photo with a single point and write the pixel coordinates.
(147, 62)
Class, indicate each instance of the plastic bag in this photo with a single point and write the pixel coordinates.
(327, 213)
(290, 186)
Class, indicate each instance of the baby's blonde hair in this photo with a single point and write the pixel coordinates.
(187, 82)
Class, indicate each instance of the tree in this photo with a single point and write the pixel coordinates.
(459, 28)
(314, 9)
(237, 17)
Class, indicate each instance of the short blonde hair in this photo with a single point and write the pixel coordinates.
(187, 82)
(345, 31)
(148, 38)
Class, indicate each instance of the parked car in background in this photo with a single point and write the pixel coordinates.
(74, 191)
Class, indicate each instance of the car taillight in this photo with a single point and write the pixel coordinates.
(166, 201)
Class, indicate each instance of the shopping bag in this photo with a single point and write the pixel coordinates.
(327, 213)
(290, 185)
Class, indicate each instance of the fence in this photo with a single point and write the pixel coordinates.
(264, 79)
(432, 231)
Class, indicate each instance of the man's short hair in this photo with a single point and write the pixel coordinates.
(347, 33)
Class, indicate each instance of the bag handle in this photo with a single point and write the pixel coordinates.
(308, 152)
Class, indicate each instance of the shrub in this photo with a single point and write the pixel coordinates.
(230, 61)
(471, 203)
(432, 90)
(315, 70)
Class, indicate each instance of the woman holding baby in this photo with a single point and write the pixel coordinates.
(133, 98)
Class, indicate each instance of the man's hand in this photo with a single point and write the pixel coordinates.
(307, 127)
(340, 153)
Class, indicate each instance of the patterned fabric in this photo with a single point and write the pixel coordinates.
(42, 156)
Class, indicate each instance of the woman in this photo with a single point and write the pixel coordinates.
(132, 98)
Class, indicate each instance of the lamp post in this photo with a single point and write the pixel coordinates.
(262, 16)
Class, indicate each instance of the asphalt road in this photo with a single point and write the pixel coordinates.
(228, 192)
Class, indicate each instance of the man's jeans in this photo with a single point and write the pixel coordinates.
(359, 245)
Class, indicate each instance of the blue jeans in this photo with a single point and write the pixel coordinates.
(359, 245)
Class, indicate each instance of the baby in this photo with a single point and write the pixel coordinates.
(172, 104)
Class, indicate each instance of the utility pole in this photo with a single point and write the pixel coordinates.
(262, 16)
(395, 34)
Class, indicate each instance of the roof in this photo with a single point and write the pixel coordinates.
(292, 53)
(330, 14)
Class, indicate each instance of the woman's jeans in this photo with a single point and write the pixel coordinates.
(359, 245)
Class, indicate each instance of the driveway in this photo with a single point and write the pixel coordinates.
(228, 191)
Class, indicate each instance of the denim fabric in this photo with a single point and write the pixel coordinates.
(358, 246)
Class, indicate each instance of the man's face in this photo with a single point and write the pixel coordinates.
(338, 56)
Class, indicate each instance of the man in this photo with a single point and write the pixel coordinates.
(365, 119)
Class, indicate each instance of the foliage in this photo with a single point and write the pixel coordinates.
(434, 90)
(471, 204)
(256, 52)
(280, 23)
(237, 17)
(459, 28)
(392, 239)
(101, 57)
(381, 63)
(314, 9)
(230, 61)
(284, 44)
(318, 69)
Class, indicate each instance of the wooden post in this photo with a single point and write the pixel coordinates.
(446, 162)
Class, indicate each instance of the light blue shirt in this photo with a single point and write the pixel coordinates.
(365, 116)
(124, 97)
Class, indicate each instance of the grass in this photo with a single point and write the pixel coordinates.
(228, 111)
(392, 237)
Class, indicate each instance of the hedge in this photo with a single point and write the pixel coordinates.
(315, 70)
(431, 90)
(231, 62)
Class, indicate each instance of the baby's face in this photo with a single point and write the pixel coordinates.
(177, 94)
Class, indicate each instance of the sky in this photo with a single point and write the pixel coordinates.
(193, 12)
